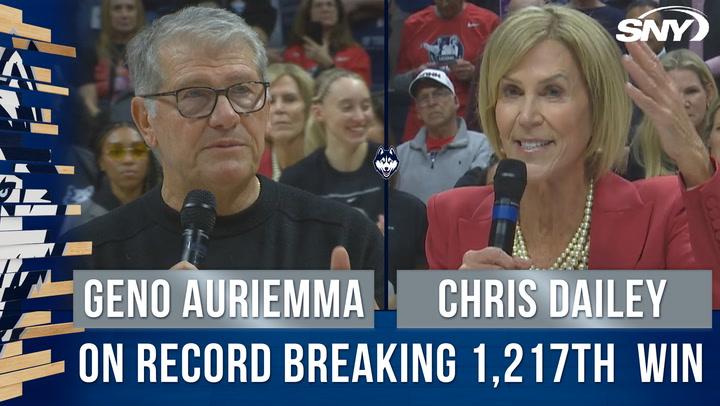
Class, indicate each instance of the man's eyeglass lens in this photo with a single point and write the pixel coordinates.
(197, 102)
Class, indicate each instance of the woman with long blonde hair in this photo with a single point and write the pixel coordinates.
(554, 94)
(342, 168)
(291, 92)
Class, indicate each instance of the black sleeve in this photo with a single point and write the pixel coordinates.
(87, 60)
(364, 243)
(376, 260)
(473, 177)
(420, 233)
(293, 176)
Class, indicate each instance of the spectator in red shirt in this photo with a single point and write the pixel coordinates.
(448, 36)
(322, 40)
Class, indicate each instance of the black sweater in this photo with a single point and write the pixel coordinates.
(362, 189)
(285, 228)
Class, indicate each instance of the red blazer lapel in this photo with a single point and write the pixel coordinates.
(474, 231)
(620, 224)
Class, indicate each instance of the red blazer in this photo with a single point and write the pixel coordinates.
(650, 224)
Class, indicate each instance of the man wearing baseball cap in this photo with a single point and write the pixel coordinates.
(449, 35)
(443, 150)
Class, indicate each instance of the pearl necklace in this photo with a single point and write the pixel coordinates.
(575, 256)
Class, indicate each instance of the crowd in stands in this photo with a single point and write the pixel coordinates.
(327, 84)
(303, 39)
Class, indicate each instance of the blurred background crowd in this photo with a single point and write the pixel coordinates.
(327, 84)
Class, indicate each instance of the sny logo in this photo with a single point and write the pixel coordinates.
(386, 162)
(639, 29)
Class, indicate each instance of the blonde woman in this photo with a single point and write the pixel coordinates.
(291, 91)
(342, 169)
(553, 93)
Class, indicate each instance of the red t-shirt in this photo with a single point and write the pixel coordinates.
(434, 144)
(265, 164)
(353, 58)
(427, 38)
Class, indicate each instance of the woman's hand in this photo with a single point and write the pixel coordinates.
(320, 53)
(492, 258)
(656, 95)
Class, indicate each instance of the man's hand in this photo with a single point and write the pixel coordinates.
(381, 223)
(184, 265)
(340, 261)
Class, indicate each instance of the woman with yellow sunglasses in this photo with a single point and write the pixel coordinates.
(127, 166)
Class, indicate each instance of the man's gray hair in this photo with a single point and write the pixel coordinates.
(196, 27)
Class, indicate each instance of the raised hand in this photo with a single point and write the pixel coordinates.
(320, 53)
(340, 259)
(656, 95)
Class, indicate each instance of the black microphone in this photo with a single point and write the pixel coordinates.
(197, 218)
(509, 182)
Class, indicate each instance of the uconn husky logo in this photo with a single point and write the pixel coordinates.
(386, 162)
(445, 49)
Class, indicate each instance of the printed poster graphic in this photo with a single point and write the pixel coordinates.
(445, 49)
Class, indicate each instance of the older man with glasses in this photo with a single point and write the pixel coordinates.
(444, 149)
(202, 108)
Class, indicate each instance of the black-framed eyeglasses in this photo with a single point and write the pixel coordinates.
(200, 102)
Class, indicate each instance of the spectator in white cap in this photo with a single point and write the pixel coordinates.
(443, 150)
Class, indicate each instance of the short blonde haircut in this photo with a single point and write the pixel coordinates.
(598, 59)
(646, 147)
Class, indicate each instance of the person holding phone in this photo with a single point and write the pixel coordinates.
(322, 40)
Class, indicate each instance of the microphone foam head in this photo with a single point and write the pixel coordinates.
(510, 179)
(198, 211)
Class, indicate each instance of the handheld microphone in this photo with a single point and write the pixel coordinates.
(509, 182)
(197, 218)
